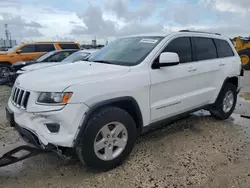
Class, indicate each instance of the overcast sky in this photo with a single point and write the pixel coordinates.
(82, 20)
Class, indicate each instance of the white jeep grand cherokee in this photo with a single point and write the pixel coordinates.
(98, 108)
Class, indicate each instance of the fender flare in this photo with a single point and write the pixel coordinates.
(5, 62)
(102, 104)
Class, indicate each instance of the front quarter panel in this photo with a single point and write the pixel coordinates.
(135, 84)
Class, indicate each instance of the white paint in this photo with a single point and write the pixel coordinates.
(150, 41)
(160, 93)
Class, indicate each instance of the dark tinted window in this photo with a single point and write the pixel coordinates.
(78, 56)
(182, 47)
(223, 48)
(69, 46)
(44, 47)
(58, 57)
(205, 48)
(28, 49)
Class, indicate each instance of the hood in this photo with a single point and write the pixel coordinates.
(23, 63)
(38, 66)
(57, 78)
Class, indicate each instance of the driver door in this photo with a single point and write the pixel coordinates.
(28, 52)
(173, 88)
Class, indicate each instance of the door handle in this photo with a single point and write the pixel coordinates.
(222, 64)
(192, 69)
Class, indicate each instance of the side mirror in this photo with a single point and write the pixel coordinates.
(168, 59)
(19, 51)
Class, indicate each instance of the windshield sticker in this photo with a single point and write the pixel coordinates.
(151, 41)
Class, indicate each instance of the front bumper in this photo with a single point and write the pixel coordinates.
(70, 118)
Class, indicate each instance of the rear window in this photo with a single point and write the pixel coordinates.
(223, 48)
(44, 47)
(204, 48)
(69, 46)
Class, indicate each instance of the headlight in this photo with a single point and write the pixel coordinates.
(54, 98)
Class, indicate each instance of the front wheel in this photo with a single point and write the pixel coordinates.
(109, 138)
(4, 70)
(225, 103)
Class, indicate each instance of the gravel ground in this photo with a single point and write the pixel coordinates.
(195, 152)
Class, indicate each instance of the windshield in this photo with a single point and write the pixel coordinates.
(78, 56)
(126, 51)
(13, 49)
(44, 56)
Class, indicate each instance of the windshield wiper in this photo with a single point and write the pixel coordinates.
(101, 61)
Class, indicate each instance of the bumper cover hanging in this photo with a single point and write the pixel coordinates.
(10, 158)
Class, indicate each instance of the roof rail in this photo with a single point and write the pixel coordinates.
(186, 30)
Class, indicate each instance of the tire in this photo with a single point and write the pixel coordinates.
(100, 120)
(245, 58)
(4, 70)
(218, 111)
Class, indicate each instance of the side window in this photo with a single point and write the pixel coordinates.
(58, 57)
(69, 46)
(181, 46)
(81, 57)
(44, 47)
(223, 48)
(204, 48)
(30, 48)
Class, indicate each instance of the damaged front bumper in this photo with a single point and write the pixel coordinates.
(34, 147)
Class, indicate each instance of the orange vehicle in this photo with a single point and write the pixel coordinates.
(28, 52)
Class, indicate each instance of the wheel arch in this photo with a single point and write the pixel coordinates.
(233, 79)
(5, 62)
(128, 103)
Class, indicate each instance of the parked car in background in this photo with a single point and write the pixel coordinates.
(80, 55)
(77, 56)
(28, 52)
(3, 49)
(53, 56)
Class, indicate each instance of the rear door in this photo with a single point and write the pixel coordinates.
(227, 61)
(45, 48)
(208, 68)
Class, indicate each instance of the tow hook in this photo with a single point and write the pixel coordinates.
(28, 151)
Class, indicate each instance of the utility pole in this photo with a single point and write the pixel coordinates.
(6, 32)
(10, 40)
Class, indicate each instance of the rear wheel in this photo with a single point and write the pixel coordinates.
(109, 138)
(245, 58)
(225, 103)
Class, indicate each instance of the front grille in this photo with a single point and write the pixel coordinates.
(20, 97)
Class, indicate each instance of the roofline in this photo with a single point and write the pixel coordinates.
(48, 42)
(202, 32)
